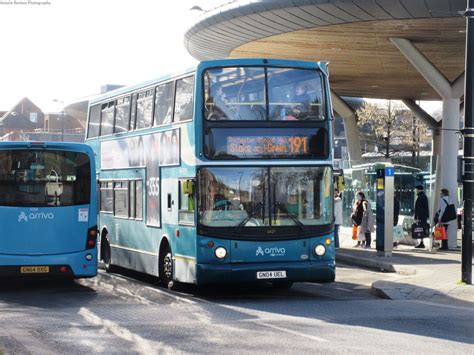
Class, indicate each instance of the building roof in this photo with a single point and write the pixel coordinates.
(354, 35)
(19, 116)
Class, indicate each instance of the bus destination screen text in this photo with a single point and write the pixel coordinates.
(261, 145)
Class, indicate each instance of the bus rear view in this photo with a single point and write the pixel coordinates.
(47, 210)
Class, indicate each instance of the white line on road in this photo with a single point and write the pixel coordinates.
(294, 332)
(443, 305)
(344, 289)
(172, 294)
(141, 345)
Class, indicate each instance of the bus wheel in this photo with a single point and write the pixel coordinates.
(282, 285)
(166, 266)
(107, 256)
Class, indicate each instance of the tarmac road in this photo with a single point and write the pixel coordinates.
(129, 314)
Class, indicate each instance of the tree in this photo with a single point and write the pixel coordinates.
(389, 127)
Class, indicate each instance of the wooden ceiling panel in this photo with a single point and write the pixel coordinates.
(363, 60)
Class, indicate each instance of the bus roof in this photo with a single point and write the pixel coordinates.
(131, 88)
(209, 63)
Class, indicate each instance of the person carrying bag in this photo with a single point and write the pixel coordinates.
(444, 216)
(363, 218)
(420, 228)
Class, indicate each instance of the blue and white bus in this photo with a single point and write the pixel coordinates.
(222, 173)
(48, 210)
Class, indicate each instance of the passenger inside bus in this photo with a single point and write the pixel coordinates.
(217, 103)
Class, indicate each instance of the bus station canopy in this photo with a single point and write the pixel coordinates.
(353, 35)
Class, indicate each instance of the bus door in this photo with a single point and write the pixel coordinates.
(169, 201)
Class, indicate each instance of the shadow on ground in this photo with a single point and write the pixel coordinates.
(305, 301)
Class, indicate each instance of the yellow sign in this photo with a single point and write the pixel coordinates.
(379, 184)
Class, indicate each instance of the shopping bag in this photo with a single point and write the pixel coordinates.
(418, 230)
(397, 233)
(354, 232)
(440, 233)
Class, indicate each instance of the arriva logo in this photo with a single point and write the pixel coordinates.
(34, 215)
(275, 251)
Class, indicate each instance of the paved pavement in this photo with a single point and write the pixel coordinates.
(421, 274)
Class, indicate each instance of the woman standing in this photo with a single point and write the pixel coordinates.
(337, 216)
(363, 218)
(444, 202)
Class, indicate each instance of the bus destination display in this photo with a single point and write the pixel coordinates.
(261, 145)
(266, 143)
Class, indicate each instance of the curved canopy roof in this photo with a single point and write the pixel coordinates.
(354, 35)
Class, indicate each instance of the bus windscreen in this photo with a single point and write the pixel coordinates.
(44, 178)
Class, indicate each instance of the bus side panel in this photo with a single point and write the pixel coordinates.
(185, 255)
(133, 245)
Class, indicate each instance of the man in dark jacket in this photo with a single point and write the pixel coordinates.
(421, 210)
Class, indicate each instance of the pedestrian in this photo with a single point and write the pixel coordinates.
(363, 218)
(421, 211)
(397, 230)
(444, 202)
(396, 210)
(337, 216)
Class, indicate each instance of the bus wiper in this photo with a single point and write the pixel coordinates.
(293, 217)
(243, 222)
(246, 219)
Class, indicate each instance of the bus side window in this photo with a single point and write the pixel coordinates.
(186, 202)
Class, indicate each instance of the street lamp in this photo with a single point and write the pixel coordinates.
(62, 118)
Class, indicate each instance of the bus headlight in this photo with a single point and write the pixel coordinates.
(220, 252)
(320, 250)
(88, 257)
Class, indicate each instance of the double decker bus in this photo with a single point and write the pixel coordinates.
(222, 173)
(48, 210)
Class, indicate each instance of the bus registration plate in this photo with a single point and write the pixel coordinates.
(271, 274)
(34, 269)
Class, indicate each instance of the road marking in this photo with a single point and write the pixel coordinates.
(171, 294)
(344, 289)
(443, 305)
(196, 301)
(294, 332)
(141, 345)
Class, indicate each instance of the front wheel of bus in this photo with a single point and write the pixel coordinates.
(166, 266)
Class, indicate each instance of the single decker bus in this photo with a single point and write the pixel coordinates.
(48, 210)
(222, 173)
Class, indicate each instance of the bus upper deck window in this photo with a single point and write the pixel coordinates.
(235, 94)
